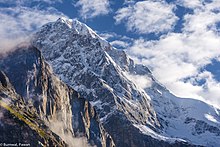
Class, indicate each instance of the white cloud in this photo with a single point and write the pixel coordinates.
(93, 8)
(190, 3)
(176, 57)
(147, 17)
(211, 88)
(67, 136)
(19, 22)
(108, 35)
(142, 81)
(119, 43)
(129, 1)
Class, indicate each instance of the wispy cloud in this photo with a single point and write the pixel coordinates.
(177, 58)
(58, 128)
(119, 44)
(108, 35)
(141, 81)
(93, 8)
(18, 23)
(190, 4)
(118, 41)
(147, 17)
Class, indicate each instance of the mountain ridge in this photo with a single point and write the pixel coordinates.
(129, 113)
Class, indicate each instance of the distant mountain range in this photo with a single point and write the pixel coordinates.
(70, 87)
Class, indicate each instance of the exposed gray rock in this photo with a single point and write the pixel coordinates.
(19, 124)
(58, 105)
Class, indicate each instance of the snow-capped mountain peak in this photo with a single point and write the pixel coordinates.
(105, 75)
(82, 29)
(78, 27)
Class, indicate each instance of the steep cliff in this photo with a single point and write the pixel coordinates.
(59, 106)
(19, 123)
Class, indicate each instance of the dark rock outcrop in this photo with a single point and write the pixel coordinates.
(61, 108)
(19, 124)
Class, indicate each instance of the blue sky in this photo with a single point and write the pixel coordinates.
(178, 40)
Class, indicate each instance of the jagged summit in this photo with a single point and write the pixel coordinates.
(77, 26)
(82, 29)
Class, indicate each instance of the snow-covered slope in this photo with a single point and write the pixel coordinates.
(81, 62)
(110, 80)
(189, 119)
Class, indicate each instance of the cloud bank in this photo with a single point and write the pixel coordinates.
(18, 23)
(177, 59)
(147, 17)
(93, 8)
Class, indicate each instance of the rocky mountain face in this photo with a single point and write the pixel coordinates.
(19, 123)
(91, 94)
(61, 108)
